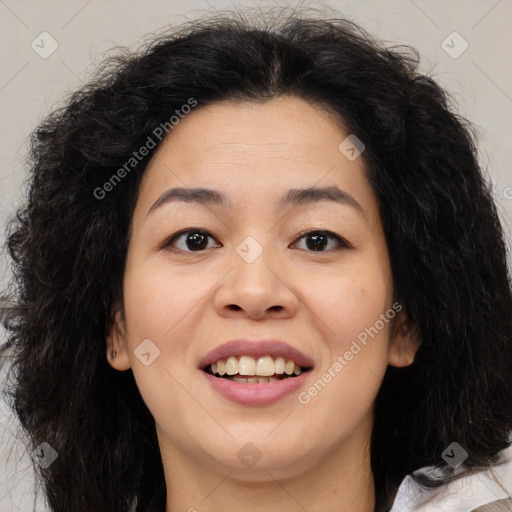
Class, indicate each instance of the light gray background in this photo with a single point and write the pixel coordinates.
(480, 80)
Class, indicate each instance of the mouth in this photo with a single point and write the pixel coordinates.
(255, 370)
(255, 361)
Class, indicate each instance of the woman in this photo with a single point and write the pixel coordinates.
(259, 267)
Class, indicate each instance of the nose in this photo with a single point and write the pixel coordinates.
(257, 289)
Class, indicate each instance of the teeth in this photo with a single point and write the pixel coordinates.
(265, 366)
(248, 366)
(232, 366)
(221, 367)
(290, 366)
(254, 380)
(280, 365)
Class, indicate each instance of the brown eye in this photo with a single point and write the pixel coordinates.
(318, 240)
(190, 240)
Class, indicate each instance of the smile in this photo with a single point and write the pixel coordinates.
(250, 370)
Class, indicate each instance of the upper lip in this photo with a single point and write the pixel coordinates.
(256, 349)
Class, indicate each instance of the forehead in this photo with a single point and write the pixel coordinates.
(255, 151)
(286, 125)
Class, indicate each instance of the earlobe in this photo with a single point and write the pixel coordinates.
(117, 346)
(404, 343)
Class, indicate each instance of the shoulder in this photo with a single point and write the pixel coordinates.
(486, 491)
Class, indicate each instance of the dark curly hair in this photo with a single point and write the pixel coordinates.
(445, 241)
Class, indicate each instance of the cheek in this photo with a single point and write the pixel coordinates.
(162, 307)
(354, 312)
(349, 303)
(160, 301)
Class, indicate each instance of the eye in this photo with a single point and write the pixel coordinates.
(196, 240)
(318, 240)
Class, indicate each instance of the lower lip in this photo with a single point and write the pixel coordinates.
(262, 393)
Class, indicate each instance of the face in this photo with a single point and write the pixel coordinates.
(312, 273)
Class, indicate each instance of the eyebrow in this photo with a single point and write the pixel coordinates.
(295, 197)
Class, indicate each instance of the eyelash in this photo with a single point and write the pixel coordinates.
(342, 243)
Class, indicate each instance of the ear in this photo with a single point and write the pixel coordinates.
(116, 341)
(405, 341)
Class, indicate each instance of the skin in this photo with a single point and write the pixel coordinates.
(314, 456)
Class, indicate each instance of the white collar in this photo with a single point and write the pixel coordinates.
(462, 495)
